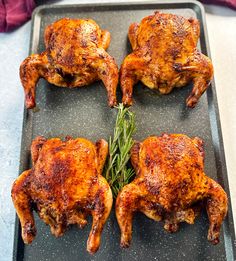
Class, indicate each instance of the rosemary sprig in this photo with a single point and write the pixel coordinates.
(116, 171)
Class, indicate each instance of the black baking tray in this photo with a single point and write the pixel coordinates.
(84, 112)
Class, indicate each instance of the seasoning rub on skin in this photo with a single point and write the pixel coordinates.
(75, 56)
(64, 185)
(169, 183)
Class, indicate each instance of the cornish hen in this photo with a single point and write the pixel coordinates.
(165, 56)
(64, 186)
(75, 56)
(170, 183)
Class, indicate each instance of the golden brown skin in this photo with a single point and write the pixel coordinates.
(165, 56)
(75, 56)
(169, 185)
(64, 186)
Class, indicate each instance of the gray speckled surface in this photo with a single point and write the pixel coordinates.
(14, 48)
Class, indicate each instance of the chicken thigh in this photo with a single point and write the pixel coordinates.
(64, 186)
(170, 183)
(165, 56)
(75, 56)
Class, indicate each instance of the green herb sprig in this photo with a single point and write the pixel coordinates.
(116, 171)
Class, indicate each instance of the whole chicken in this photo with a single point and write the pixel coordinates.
(165, 56)
(64, 186)
(170, 184)
(75, 56)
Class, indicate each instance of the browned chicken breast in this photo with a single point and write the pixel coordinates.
(64, 186)
(75, 56)
(165, 56)
(169, 184)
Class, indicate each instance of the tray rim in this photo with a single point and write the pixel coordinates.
(215, 122)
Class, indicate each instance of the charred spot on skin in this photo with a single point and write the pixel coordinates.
(84, 58)
(60, 169)
(69, 59)
(23, 69)
(26, 182)
(63, 220)
(41, 141)
(101, 56)
(57, 149)
(78, 30)
(181, 33)
(159, 209)
(98, 147)
(191, 19)
(148, 161)
(68, 137)
(51, 198)
(154, 25)
(156, 13)
(59, 71)
(29, 229)
(192, 153)
(174, 52)
(206, 183)
(177, 67)
(29, 96)
(49, 57)
(90, 206)
(99, 204)
(84, 43)
(196, 165)
(93, 37)
(171, 227)
(154, 190)
(52, 42)
(42, 172)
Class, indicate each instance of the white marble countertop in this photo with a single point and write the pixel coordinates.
(221, 24)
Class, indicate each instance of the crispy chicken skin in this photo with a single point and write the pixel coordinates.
(64, 186)
(169, 185)
(75, 56)
(165, 56)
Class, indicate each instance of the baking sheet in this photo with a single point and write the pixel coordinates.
(84, 112)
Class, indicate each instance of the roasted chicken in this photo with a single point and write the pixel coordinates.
(75, 56)
(170, 185)
(64, 186)
(165, 56)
